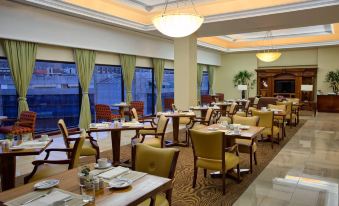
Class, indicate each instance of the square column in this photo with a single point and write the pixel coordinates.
(185, 72)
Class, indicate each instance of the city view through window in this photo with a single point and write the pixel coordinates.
(54, 91)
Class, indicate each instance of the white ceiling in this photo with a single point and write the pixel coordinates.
(281, 33)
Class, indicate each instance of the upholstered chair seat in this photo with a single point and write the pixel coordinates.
(184, 120)
(87, 149)
(241, 113)
(231, 161)
(47, 170)
(266, 120)
(157, 134)
(151, 141)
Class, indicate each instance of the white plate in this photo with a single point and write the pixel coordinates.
(212, 129)
(119, 183)
(96, 166)
(46, 184)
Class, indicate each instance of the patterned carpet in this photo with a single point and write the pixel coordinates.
(208, 191)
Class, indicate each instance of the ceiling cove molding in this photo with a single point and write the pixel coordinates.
(70, 9)
(271, 10)
(64, 7)
(293, 46)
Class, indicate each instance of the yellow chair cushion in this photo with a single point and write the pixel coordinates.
(152, 141)
(242, 114)
(225, 119)
(251, 109)
(294, 116)
(267, 132)
(160, 200)
(199, 126)
(87, 149)
(47, 170)
(231, 160)
(147, 132)
(184, 120)
(246, 142)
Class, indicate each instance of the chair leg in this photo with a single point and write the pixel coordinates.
(272, 141)
(223, 183)
(251, 161)
(255, 158)
(205, 173)
(195, 176)
(238, 173)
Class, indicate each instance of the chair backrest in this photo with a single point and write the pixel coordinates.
(206, 99)
(250, 121)
(294, 100)
(220, 96)
(64, 131)
(256, 100)
(247, 105)
(233, 108)
(162, 124)
(174, 108)
(288, 107)
(139, 106)
(168, 103)
(265, 118)
(209, 114)
(134, 114)
(155, 161)
(103, 112)
(281, 107)
(29, 119)
(75, 155)
(264, 101)
(207, 145)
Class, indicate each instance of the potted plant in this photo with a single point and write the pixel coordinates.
(332, 77)
(244, 78)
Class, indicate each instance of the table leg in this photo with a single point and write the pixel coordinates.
(116, 138)
(223, 110)
(175, 122)
(7, 171)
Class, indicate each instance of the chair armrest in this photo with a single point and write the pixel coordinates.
(40, 162)
(9, 120)
(234, 148)
(59, 150)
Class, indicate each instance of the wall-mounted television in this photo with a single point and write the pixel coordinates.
(284, 86)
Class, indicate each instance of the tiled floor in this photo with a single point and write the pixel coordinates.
(305, 172)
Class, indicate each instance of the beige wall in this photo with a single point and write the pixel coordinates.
(326, 58)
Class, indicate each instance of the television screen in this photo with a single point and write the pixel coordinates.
(284, 86)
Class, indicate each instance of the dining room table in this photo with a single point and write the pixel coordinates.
(223, 106)
(148, 186)
(8, 156)
(175, 116)
(115, 130)
(122, 107)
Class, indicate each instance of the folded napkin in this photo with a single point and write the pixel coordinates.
(116, 171)
(131, 124)
(32, 144)
(132, 175)
(49, 199)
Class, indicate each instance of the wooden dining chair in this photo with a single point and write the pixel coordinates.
(290, 116)
(199, 123)
(24, 125)
(104, 113)
(295, 107)
(229, 114)
(244, 112)
(156, 161)
(266, 120)
(46, 168)
(157, 133)
(139, 107)
(247, 145)
(90, 146)
(279, 120)
(210, 153)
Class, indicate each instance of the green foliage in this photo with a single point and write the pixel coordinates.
(332, 77)
(244, 78)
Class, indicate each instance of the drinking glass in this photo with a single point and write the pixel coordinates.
(87, 191)
(122, 120)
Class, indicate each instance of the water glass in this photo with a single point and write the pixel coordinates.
(87, 192)
(122, 120)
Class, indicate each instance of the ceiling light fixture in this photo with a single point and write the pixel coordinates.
(269, 55)
(178, 24)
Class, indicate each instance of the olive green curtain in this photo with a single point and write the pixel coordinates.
(128, 68)
(210, 70)
(21, 59)
(159, 66)
(199, 78)
(85, 62)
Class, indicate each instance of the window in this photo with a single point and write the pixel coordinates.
(204, 84)
(167, 87)
(54, 94)
(8, 96)
(143, 89)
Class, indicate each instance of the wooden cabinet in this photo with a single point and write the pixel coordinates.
(268, 77)
(328, 103)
